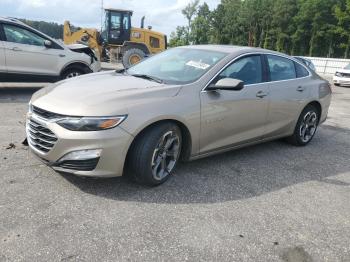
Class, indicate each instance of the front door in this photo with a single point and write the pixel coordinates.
(26, 53)
(231, 118)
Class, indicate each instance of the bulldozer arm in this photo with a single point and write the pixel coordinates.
(86, 36)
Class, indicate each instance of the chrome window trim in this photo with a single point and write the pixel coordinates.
(258, 53)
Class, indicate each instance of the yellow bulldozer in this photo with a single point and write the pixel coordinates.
(118, 41)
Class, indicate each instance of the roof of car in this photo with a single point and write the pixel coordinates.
(228, 48)
(11, 19)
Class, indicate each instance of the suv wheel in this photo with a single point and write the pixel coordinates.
(154, 155)
(306, 127)
(72, 72)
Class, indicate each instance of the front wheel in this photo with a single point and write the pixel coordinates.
(132, 57)
(306, 126)
(72, 72)
(154, 154)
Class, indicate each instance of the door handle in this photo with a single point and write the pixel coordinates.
(261, 94)
(16, 49)
(62, 55)
(300, 89)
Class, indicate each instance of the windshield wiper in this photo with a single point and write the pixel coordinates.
(148, 77)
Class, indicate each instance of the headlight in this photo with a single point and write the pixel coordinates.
(338, 74)
(30, 107)
(90, 123)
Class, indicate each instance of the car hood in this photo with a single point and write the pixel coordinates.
(101, 94)
(77, 46)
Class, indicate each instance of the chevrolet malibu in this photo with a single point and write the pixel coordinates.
(183, 104)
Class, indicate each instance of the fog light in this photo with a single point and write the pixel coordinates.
(82, 155)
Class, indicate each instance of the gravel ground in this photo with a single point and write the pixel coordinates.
(270, 202)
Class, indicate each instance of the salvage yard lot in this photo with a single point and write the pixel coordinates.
(270, 202)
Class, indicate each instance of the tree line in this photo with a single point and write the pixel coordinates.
(296, 27)
(51, 29)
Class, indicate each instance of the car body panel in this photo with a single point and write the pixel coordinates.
(285, 105)
(31, 59)
(3, 67)
(221, 113)
(216, 120)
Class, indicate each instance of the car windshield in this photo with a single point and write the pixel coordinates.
(347, 67)
(177, 66)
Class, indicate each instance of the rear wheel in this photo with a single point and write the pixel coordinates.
(154, 155)
(132, 56)
(306, 126)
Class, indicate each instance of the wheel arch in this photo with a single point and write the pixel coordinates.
(186, 149)
(77, 64)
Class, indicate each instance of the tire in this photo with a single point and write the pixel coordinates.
(130, 55)
(72, 72)
(306, 127)
(154, 154)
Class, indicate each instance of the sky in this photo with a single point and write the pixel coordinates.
(162, 15)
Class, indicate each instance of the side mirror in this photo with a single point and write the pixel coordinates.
(47, 43)
(227, 84)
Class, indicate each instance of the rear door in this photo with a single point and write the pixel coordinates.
(2, 52)
(289, 91)
(26, 53)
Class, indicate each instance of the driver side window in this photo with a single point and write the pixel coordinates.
(247, 69)
(20, 35)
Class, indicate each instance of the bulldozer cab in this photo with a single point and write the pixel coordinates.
(117, 26)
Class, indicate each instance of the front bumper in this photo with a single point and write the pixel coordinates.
(96, 66)
(111, 144)
(345, 81)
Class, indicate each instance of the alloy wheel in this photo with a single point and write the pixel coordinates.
(308, 126)
(73, 74)
(165, 155)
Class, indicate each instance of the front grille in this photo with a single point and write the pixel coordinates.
(79, 165)
(45, 114)
(40, 137)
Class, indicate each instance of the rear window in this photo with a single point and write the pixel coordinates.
(301, 71)
(281, 68)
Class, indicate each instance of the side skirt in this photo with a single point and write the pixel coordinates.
(231, 148)
(16, 77)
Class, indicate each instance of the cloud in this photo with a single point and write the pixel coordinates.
(163, 15)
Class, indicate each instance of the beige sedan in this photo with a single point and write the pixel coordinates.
(185, 103)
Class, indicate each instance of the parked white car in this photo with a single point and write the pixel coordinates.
(342, 76)
(31, 56)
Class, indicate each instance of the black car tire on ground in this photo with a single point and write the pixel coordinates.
(149, 147)
(306, 126)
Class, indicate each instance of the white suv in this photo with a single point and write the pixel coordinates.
(29, 55)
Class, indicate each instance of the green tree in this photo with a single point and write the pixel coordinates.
(342, 29)
(189, 12)
(179, 37)
(200, 26)
(298, 27)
